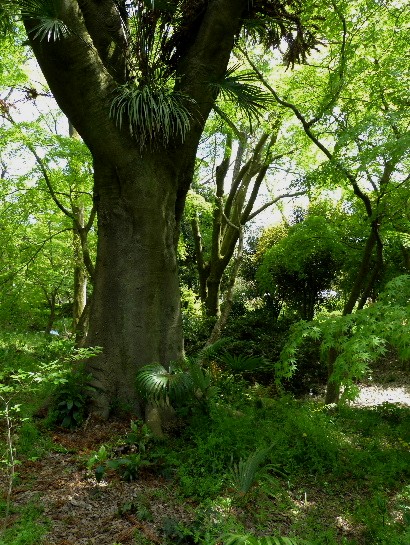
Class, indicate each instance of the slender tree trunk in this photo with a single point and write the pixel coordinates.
(227, 305)
(135, 311)
(83, 325)
(52, 302)
(363, 284)
(332, 386)
(212, 301)
(80, 274)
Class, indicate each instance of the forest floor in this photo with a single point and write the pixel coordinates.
(85, 512)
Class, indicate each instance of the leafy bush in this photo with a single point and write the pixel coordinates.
(134, 455)
(69, 402)
(29, 528)
(359, 338)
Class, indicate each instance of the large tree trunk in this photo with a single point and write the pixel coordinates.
(139, 194)
(135, 312)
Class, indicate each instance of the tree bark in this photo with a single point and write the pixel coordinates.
(135, 311)
(80, 274)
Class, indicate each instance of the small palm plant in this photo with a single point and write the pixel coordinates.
(180, 381)
(49, 26)
(244, 364)
(241, 88)
(244, 472)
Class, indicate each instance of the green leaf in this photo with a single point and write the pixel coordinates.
(99, 473)
(240, 88)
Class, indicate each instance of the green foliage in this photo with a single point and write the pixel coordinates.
(154, 114)
(69, 402)
(134, 449)
(239, 88)
(188, 381)
(358, 338)
(70, 399)
(213, 519)
(244, 473)
(242, 363)
(300, 267)
(248, 539)
(138, 507)
(29, 528)
(50, 27)
(128, 467)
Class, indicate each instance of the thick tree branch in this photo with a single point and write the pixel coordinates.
(107, 29)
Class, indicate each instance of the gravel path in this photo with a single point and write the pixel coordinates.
(378, 394)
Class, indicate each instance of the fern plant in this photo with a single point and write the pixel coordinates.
(244, 472)
(242, 363)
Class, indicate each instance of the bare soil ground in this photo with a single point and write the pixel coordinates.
(82, 511)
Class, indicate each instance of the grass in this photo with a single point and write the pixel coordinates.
(330, 477)
(28, 527)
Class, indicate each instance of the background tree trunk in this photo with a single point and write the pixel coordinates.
(80, 274)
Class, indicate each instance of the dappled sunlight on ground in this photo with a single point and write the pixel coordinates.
(378, 394)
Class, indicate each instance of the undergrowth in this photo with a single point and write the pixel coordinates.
(254, 469)
(29, 525)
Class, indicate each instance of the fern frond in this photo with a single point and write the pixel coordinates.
(242, 363)
(213, 350)
(244, 472)
(200, 377)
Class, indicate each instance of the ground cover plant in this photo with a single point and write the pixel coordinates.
(249, 468)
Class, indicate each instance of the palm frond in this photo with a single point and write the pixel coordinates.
(155, 114)
(213, 350)
(50, 29)
(156, 383)
(243, 363)
(46, 12)
(240, 88)
(202, 382)
(244, 472)
(200, 377)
